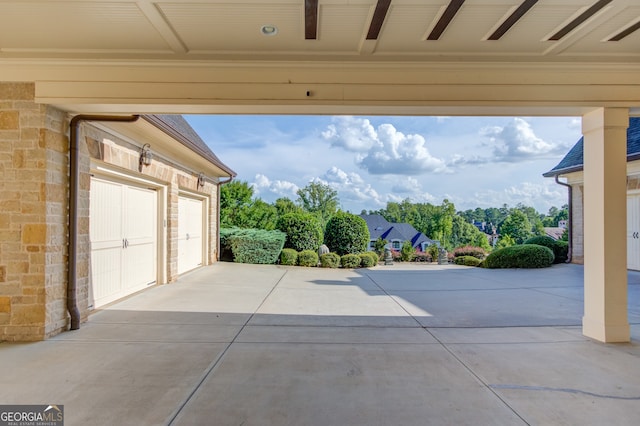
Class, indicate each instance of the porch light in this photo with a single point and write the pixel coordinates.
(145, 156)
(201, 179)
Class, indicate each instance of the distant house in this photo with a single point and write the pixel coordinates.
(571, 167)
(395, 233)
(558, 231)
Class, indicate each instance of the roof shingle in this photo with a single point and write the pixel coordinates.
(574, 160)
(178, 128)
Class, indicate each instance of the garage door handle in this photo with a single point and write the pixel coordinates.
(125, 243)
(187, 236)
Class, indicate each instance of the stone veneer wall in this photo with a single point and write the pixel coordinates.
(111, 149)
(34, 211)
(33, 202)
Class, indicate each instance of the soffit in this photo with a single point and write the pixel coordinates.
(219, 29)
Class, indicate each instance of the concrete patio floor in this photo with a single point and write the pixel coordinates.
(394, 345)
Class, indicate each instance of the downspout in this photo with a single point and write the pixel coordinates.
(219, 184)
(74, 190)
(570, 229)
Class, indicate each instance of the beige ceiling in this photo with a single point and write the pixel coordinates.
(64, 42)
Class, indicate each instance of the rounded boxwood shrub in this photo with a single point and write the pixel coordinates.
(467, 261)
(308, 258)
(330, 260)
(560, 248)
(304, 231)
(288, 257)
(350, 261)
(520, 256)
(346, 233)
(366, 261)
(374, 257)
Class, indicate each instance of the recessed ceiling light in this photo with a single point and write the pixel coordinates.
(269, 30)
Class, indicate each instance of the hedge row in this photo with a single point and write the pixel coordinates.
(477, 252)
(252, 245)
(328, 260)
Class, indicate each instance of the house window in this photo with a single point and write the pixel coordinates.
(395, 244)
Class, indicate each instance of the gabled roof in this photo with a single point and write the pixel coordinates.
(574, 160)
(178, 128)
(379, 227)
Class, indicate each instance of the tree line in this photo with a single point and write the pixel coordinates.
(240, 208)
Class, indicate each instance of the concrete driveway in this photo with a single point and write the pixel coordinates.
(394, 345)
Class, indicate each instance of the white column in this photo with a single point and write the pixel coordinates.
(605, 221)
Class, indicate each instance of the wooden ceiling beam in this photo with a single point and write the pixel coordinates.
(512, 19)
(310, 19)
(579, 20)
(445, 19)
(378, 19)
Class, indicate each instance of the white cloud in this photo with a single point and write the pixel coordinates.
(576, 124)
(512, 143)
(516, 142)
(541, 195)
(350, 187)
(384, 150)
(409, 185)
(352, 134)
(263, 184)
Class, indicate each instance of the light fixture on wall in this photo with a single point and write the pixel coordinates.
(201, 179)
(145, 156)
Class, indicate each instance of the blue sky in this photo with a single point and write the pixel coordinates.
(471, 161)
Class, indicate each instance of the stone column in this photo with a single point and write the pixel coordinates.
(33, 205)
(605, 200)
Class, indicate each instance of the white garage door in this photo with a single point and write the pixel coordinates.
(123, 235)
(633, 232)
(190, 226)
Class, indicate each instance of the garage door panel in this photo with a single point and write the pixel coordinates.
(141, 213)
(106, 271)
(123, 232)
(190, 227)
(106, 217)
(139, 266)
(633, 232)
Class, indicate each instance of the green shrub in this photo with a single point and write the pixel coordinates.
(467, 261)
(433, 252)
(346, 233)
(366, 261)
(477, 252)
(379, 245)
(374, 257)
(350, 261)
(560, 248)
(304, 231)
(520, 256)
(308, 258)
(288, 257)
(253, 245)
(330, 260)
(407, 251)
